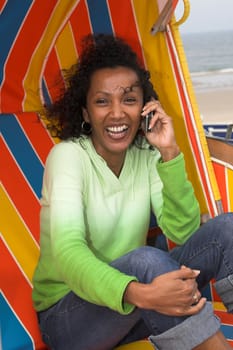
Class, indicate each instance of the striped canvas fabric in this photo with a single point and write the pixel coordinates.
(38, 40)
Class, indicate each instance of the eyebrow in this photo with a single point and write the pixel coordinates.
(126, 89)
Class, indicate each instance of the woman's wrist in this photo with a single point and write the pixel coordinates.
(135, 294)
(169, 153)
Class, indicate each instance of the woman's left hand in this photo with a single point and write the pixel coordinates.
(161, 134)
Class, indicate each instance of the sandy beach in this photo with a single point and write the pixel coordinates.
(216, 106)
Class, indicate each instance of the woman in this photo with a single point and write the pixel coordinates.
(97, 284)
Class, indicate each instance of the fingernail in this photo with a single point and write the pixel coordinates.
(197, 272)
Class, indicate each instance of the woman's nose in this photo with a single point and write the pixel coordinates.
(117, 110)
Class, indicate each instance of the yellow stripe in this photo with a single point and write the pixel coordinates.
(17, 236)
(65, 43)
(159, 64)
(58, 18)
(138, 345)
(218, 306)
(230, 188)
(156, 55)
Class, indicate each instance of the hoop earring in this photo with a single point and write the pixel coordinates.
(86, 128)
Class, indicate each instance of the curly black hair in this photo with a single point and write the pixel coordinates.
(98, 51)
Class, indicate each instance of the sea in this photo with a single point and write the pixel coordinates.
(210, 59)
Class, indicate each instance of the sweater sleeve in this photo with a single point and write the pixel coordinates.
(89, 277)
(174, 202)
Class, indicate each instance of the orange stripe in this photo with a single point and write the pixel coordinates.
(230, 187)
(22, 51)
(19, 191)
(18, 293)
(221, 179)
(124, 25)
(36, 132)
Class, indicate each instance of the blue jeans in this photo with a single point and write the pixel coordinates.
(75, 324)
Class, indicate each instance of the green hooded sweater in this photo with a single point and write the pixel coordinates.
(89, 217)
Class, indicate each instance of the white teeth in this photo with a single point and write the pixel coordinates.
(117, 129)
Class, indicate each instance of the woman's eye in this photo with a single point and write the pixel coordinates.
(101, 101)
(130, 100)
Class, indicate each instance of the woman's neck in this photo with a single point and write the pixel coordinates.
(116, 164)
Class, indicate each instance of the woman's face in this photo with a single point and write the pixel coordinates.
(114, 105)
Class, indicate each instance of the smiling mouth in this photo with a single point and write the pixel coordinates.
(117, 131)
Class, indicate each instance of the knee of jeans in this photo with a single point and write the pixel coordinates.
(224, 225)
(224, 220)
(148, 262)
(228, 221)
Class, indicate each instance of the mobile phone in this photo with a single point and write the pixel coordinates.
(146, 122)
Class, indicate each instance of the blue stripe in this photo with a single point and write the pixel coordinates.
(46, 95)
(227, 331)
(22, 151)
(14, 336)
(99, 16)
(11, 19)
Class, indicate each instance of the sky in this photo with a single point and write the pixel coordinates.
(207, 15)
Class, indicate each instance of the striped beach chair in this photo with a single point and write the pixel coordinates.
(39, 39)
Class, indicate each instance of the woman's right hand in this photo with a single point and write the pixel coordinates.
(174, 293)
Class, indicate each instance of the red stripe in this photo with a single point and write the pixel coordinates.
(22, 51)
(53, 76)
(80, 23)
(214, 294)
(36, 132)
(18, 293)
(124, 24)
(2, 4)
(18, 190)
(174, 3)
(191, 132)
(211, 290)
(225, 317)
